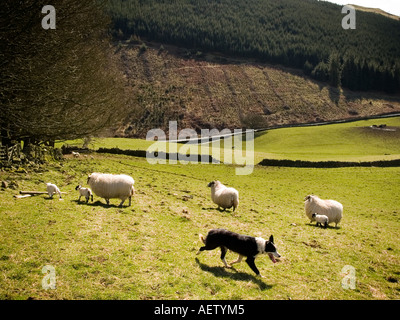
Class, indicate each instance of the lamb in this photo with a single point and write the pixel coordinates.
(52, 189)
(331, 208)
(321, 219)
(86, 192)
(223, 196)
(110, 186)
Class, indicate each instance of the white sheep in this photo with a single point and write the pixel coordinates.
(322, 220)
(110, 186)
(75, 154)
(85, 192)
(223, 196)
(52, 189)
(331, 208)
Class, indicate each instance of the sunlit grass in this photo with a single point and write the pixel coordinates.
(148, 250)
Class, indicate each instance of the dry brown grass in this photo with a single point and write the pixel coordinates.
(168, 85)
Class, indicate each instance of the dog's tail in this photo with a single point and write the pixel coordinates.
(201, 237)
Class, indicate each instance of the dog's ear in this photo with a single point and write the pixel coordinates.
(271, 239)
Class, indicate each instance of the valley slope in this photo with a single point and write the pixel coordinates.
(201, 90)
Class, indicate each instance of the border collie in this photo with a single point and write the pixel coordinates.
(245, 246)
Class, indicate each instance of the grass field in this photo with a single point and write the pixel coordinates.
(148, 250)
(352, 141)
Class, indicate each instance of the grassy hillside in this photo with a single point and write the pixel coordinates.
(148, 250)
(352, 141)
(213, 91)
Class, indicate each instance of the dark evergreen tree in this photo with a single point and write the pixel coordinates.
(321, 72)
(334, 70)
(288, 32)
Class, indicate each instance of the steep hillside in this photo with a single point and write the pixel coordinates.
(307, 35)
(214, 91)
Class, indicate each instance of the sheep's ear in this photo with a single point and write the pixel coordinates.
(271, 239)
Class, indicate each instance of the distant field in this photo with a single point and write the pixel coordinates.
(352, 141)
(148, 250)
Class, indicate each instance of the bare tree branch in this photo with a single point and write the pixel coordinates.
(62, 83)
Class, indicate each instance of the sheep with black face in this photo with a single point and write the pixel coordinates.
(85, 192)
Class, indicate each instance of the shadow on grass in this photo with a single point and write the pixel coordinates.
(53, 199)
(314, 225)
(98, 203)
(219, 210)
(235, 275)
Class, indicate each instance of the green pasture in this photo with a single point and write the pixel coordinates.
(148, 250)
(351, 141)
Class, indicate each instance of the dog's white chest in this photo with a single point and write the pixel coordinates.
(260, 245)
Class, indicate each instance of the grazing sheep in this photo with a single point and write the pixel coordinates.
(331, 208)
(110, 186)
(223, 196)
(52, 189)
(75, 154)
(86, 192)
(321, 219)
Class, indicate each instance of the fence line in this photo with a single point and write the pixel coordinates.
(10, 154)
